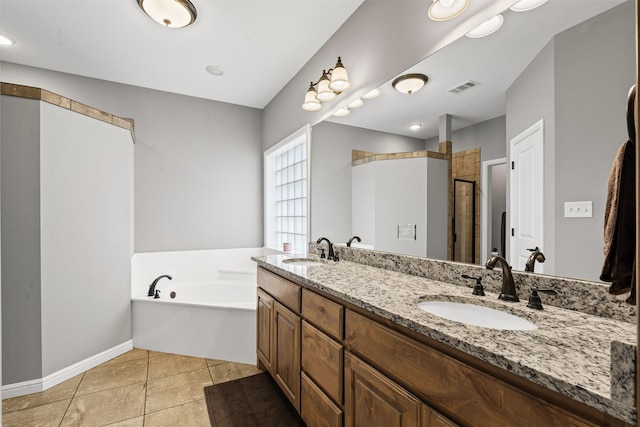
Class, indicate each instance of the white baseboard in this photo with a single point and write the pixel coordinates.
(42, 384)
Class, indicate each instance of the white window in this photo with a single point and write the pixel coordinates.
(286, 172)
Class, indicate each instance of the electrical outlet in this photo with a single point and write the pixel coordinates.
(578, 209)
(407, 231)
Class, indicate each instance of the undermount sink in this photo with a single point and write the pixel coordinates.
(306, 262)
(476, 315)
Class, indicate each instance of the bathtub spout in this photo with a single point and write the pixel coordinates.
(152, 288)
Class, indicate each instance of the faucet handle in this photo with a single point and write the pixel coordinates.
(533, 249)
(478, 289)
(322, 255)
(534, 300)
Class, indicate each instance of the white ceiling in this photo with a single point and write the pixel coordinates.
(261, 44)
(494, 62)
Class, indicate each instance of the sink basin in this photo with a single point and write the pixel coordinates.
(476, 315)
(306, 262)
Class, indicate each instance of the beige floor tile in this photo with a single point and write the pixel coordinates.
(153, 353)
(49, 414)
(192, 414)
(232, 371)
(170, 364)
(106, 407)
(62, 391)
(163, 393)
(215, 362)
(105, 377)
(131, 422)
(134, 354)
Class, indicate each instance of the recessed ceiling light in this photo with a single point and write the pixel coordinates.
(372, 94)
(488, 27)
(409, 83)
(6, 40)
(525, 5)
(344, 111)
(215, 70)
(415, 126)
(357, 103)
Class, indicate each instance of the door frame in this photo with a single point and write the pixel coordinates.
(485, 205)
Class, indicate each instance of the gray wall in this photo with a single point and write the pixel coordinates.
(578, 84)
(489, 135)
(198, 163)
(20, 189)
(595, 67)
(331, 146)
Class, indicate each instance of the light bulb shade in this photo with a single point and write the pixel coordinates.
(409, 83)
(488, 27)
(339, 78)
(443, 10)
(372, 94)
(356, 104)
(344, 111)
(170, 13)
(311, 102)
(324, 91)
(525, 5)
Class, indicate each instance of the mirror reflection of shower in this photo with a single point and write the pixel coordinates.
(464, 224)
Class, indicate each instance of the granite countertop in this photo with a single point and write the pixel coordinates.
(569, 352)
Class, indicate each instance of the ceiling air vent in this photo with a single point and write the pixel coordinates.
(464, 86)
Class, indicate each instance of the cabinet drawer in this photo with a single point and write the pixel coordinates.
(287, 293)
(323, 313)
(454, 388)
(322, 360)
(317, 409)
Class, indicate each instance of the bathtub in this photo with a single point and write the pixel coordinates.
(213, 310)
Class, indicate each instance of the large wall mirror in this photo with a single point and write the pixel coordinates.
(566, 67)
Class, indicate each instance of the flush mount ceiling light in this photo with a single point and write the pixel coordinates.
(215, 70)
(170, 13)
(372, 94)
(415, 126)
(443, 10)
(488, 27)
(409, 83)
(525, 5)
(332, 83)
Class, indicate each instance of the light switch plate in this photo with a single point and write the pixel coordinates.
(407, 231)
(578, 209)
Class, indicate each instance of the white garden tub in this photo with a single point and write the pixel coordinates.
(213, 310)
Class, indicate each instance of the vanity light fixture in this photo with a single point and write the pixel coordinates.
(525, 5)
(415, 126)
(332, 83)
(488, 27)
(372, 94)
(6, 40)
(409, 83)
(443, 10)
(170, 13)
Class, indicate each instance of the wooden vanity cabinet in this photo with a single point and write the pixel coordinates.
(264, 314)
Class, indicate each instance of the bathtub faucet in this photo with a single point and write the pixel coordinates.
(152, 288)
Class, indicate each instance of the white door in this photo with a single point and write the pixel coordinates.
(526, 195)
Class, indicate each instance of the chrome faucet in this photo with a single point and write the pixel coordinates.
(508, 292)
(536, 255)
(351, 240)
(331, 254)
(152, 288)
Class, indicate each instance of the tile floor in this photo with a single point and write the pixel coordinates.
(138, 388)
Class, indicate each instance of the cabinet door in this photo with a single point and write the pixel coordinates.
(286, 360)
(431, 418)
(373, 400)
(265, 329)
(316, 409)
